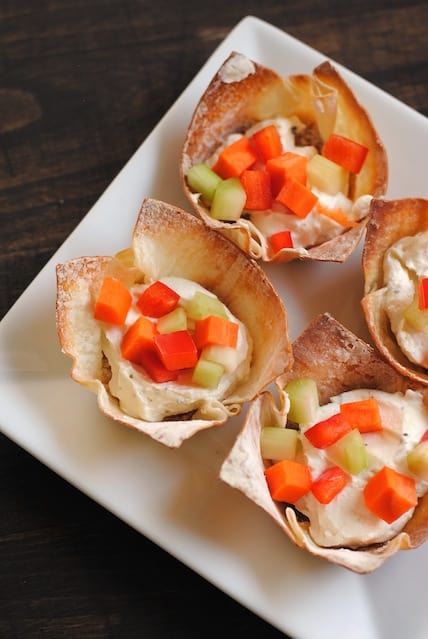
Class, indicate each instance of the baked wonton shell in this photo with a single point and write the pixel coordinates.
(338, 361)
(170, 242)
(322, 99)
(389, 221)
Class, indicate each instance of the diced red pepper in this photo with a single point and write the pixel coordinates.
(423, 294)
(268, 142)
(296, 197)
(424, 437)
(288, 480)
(157, 300)
(389, 494)
(235, 158)
(216, 330)
(138, 338)
(176, 350)
(363, 414)
(328, 431)
(287, 165)
(281, 240)
(153, 366)
(329, 484)
(256, 184)
(345, 152)
(113, 302)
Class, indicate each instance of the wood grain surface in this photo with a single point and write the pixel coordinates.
(82, 83)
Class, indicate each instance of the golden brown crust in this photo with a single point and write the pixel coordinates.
(168, 241)
(338, 361)
(389, 221)
(322, 100)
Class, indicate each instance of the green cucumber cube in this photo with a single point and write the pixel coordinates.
(278, 443)
(224, 355)
(327, 176)
(202, 305)
(417, 460)
(176, 320)
(416, 317)
(203, 180)
(207, 374)
(350, 452)
(304, 403)
(228, 201)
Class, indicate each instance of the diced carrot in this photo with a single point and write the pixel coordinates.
(176, 350)
(113, 302)
(288, 480)
(157, 300)
(151, 363)
(281, 240)
(328, 431)
(296, 197)
(337, 214)
(389, 494)
(216, 330)
(363, 414)
(138, 338)
(268, 142)
(289, 164)
(257, 189)
(235, 158)
(423, 294)
(345, 152)
(329, 484)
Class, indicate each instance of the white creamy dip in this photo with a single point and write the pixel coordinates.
(346, 521)
(315, 228)
(405, 263)
(236, 68)
(136, 392)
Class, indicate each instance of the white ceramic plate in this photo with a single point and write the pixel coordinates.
(174, 497)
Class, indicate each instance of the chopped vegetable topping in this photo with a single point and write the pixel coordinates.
(329, 484)
(113, 302)
(296, 197)
(281, 240)
(363, 414)
(267, 142)
(389, 494)
(235, 158)
(157, 300)
(345, 152)
(138, 338)
(288, 480)
(328, 431)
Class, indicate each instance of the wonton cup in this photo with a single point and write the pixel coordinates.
(390, 221)
(323, 102)
(169, 242)
(338, 361)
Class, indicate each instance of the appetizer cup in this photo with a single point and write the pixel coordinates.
(395, 266)
(177, 273)
(284, 167)
(338, 362)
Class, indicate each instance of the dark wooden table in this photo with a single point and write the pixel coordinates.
(82, 82)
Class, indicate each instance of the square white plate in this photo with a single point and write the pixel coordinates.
(174, 497)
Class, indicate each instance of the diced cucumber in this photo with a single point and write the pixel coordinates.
(278, 443)
(327, 176)
(204, 180)
(304, 402)
(350, 452)
(207, 374)
(224, 355)
(228, 201)
(202, 305)
(176, 320)
(416, 317)
(417, 460)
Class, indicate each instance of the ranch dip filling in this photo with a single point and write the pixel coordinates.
(405, 264)
(313, 229)
(139, 396)
(346, 521)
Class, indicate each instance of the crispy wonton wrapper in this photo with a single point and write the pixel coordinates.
(390, 221)
(170, 242)
(338, 361)
(322, 101)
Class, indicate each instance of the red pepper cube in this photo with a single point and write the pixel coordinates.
(296, 197)
(138, 338)
(113, 302)
(216, 330)
(157, 300)
(329, 484)
(345, 152)
(328, 431)
(363, 415)
(268, 143)
(256, 185)
(424, 437)
(151, 363)
(290, 165)
(281, 240)
(176, 350)
(288, 480)
(423, 294)
(235, 158)
(389, 494)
